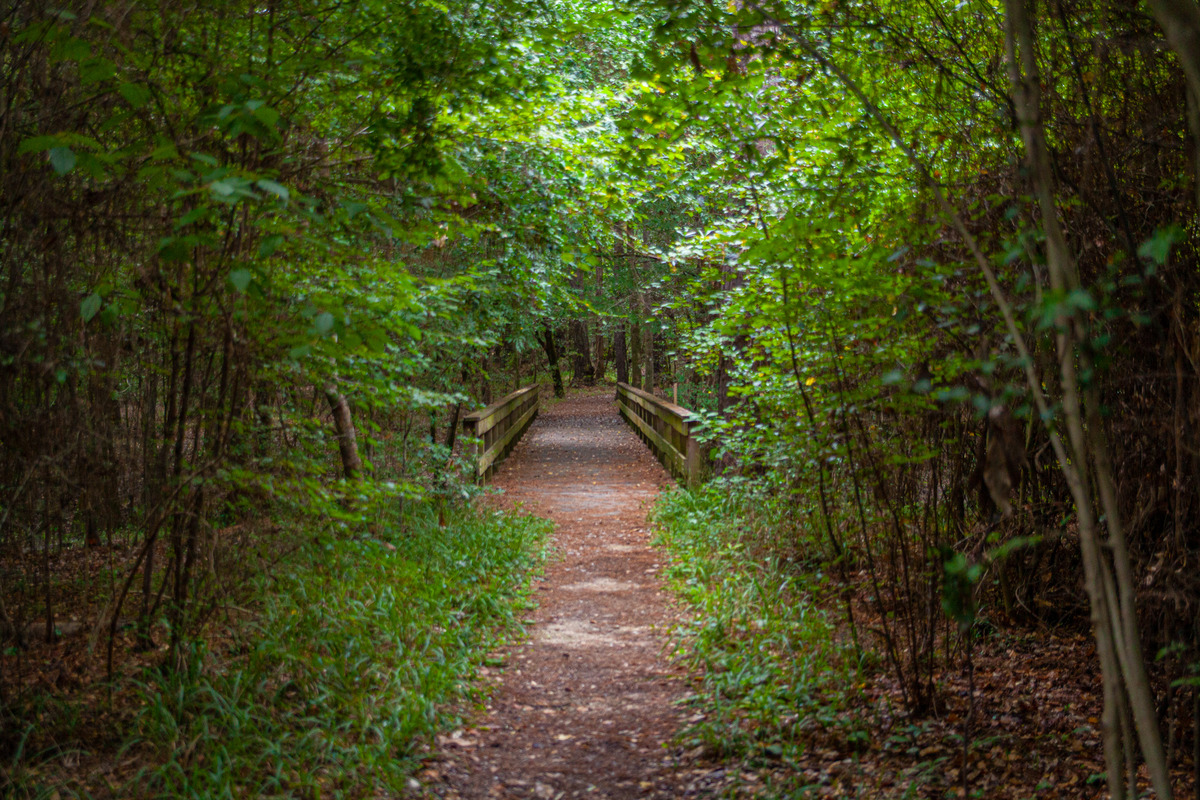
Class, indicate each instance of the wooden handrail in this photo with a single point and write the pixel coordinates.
(667, 429)
(499, 427)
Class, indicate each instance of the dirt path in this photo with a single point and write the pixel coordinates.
(585, 705)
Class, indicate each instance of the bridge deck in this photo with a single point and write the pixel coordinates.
(585, 705)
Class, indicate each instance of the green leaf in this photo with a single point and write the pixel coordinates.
(164, 152)
(89, 306)
(240, 279)
(192, 216)
(94, 70)
(274, 188)
(38, 144)
(62, 159)
(269, 245)
(1158, 246)
(172, 248)
(267, 116)
(323, 324)
(222, 188)
(70, 48)
(135, 94)
(1081, 299)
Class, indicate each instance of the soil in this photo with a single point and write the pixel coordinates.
(586, 706)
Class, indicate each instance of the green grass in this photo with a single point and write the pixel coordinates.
(362, 650)
(775, 675)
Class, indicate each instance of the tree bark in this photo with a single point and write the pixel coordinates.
(601, 356)
(1110, 587)
(485, 382)
(1180, 21)
(583, 371)
(619, 355)
(344, 424)
(597, 332)
(635, 348)
(552, 357)
(648, 373)
(452, 426)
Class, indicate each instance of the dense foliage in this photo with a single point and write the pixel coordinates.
(927, 270)
(950, 317)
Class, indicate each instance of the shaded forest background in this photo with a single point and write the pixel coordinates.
(927, 270)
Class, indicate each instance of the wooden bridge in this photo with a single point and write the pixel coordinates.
(589, 701)
(667, 429)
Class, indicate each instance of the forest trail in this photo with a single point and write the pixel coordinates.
(586, 703)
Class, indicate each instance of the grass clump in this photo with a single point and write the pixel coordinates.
(775, 677)
(361, 650)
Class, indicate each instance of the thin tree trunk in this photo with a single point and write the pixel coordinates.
(485, 383)
(49, 598)
(1110, 589)
(179, 518)
(1180, 21)
(149, 417)
(552, 358)
(619, 354)
(601, 355)
(635, 346)
(648, 375)
(1104, 626)
(597, 333)
(158, 484)
(452, 426)
(583, 370)
(344, 424)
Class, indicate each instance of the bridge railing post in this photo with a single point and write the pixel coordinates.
(666, 428)
(497, 428)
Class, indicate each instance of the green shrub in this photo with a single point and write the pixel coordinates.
(362, 650)
(775, 674)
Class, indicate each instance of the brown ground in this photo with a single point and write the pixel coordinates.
(585, 705)
(588, 705)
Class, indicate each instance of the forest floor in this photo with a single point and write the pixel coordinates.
(592, 703)
(587, 705)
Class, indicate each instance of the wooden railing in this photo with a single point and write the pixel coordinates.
(500, 426)
(667, 429)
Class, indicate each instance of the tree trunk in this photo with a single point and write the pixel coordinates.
(452, 426)
(552, 358)
(619, 355)
(485, 382)
(601, 356)
(597, 333)
(635, 349)
(344, 424)
(1110, 586)
(582, 361)
(648, 375)
(149, 441)
(1180, 21)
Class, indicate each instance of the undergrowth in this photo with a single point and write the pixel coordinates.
(359, 650)
(775, 678)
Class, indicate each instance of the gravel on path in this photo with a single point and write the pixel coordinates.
(586, 706)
